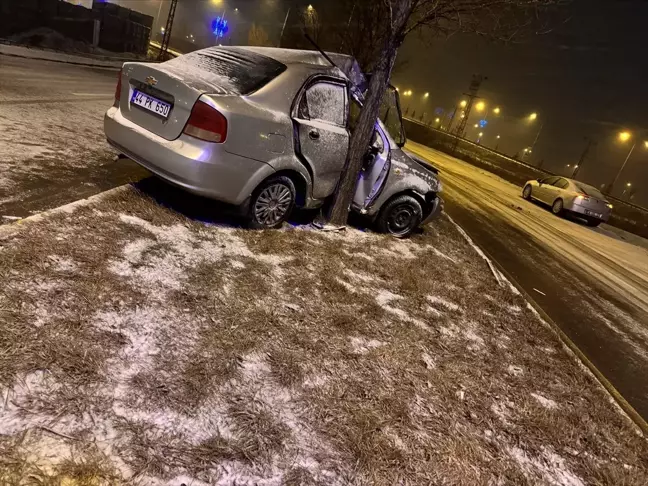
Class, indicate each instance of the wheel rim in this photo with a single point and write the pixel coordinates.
(527, 191)
(272, 204)
(401, 219)
(557, 206)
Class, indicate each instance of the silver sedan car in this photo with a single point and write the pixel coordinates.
(267, 130)
(567, 196)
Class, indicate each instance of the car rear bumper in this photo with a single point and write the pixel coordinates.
(200, 167)
(578, 210)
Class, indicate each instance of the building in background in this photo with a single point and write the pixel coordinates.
(105, 25)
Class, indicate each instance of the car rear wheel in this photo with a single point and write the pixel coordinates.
(271, 203)
(526, 193)
(557, 207)
(400, 216)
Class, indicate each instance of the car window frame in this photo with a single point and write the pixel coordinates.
(555, 184)
(546, 179)
(322, 78)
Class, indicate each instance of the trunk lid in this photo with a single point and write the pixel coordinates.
(156, 81)
(224, 71)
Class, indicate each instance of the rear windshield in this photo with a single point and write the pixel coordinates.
(590, 191)
(229, 70)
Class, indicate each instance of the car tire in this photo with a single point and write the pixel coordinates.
(271, 203)
(526, 192)
(557, 207)
(593, 223)
(400, 216)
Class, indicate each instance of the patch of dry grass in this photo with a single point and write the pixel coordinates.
(295, 357)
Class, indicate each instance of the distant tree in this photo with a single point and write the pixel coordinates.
(389, 22)
(257, 36)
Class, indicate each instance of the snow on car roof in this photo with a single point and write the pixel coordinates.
(300, 56)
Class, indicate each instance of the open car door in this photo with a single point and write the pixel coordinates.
(377, 162)
(374, 170)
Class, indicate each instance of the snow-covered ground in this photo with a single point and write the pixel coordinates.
(606, 254)
(51, 121)
(593, 282)
(138, 346)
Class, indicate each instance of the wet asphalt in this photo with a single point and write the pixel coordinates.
(603, 322)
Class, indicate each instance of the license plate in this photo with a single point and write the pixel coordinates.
(150, 103)
(592, 213)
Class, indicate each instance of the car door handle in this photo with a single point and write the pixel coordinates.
(314, 134)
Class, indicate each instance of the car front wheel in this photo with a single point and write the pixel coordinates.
(557, 207)
(271, 203)
(526, 193)
(400, 216)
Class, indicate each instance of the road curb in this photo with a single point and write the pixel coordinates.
(65, 58)
(623, 404)
(66, 208)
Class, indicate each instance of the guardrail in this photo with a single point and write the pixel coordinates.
(627, 216)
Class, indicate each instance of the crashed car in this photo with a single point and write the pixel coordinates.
(268, 130)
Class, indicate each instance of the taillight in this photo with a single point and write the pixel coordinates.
(206, 123)
(118, 88)
(582, 197)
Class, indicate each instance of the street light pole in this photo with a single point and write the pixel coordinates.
(284, 27)
(159, 14)
(537, 137)
(611, 186)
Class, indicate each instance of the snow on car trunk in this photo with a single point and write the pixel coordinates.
(217, 71)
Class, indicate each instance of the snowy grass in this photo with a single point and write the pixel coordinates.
(140, 347)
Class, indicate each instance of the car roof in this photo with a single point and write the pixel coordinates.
(300, 56)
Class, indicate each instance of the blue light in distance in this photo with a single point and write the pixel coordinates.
(220, 27)
(483, 123)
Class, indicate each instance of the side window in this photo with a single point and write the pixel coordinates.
(325, 102)
(562, 183)
(550, 180)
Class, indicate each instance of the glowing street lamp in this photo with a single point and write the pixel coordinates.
(624, 137)
(481, 106)
(437, 120)
(497, 111)
(533, 116)
(463, 103)
(426, 95)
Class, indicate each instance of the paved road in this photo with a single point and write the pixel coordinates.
(52, 148)
(590, 282)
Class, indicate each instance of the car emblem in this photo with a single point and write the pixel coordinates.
(151, 81)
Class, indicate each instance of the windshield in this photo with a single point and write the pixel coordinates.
(590, 191)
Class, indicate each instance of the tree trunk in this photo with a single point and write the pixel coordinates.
(361, 137)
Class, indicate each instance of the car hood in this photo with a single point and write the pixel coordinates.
(412, 165)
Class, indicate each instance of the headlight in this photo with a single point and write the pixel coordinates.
(610, 206)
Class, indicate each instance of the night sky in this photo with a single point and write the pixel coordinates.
(586, 78)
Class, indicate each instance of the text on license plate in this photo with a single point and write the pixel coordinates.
(152, 104)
